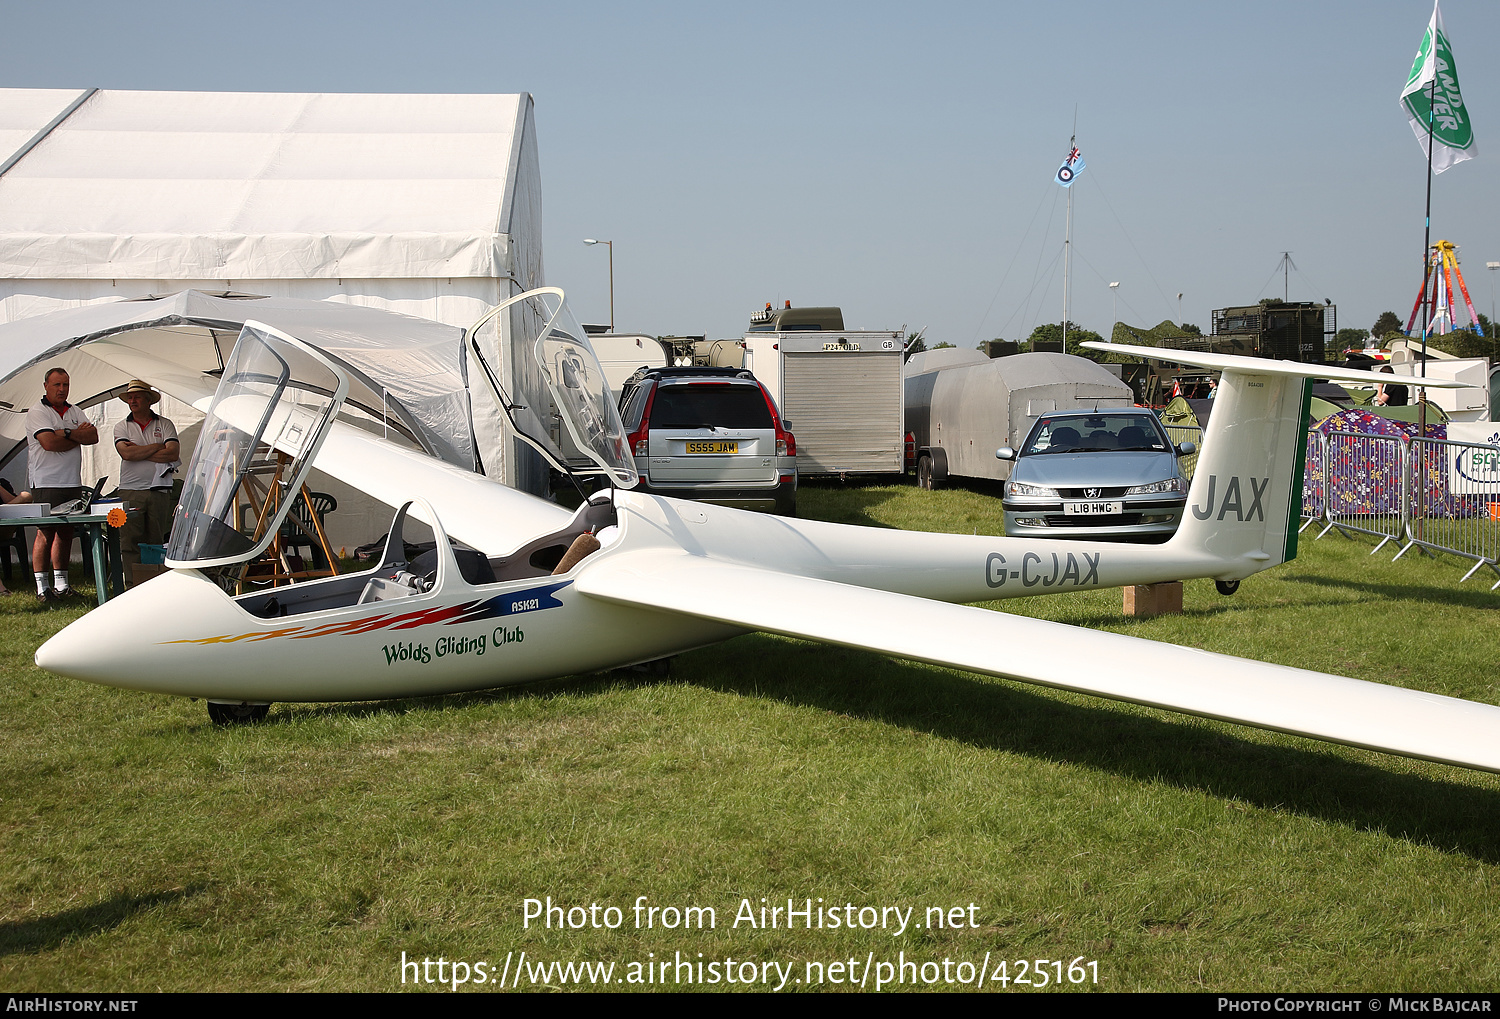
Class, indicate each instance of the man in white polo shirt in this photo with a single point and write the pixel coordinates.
(56, 432)
(148, 448)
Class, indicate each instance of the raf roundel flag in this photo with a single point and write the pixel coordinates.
(1072, 166)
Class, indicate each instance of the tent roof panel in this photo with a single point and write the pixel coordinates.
(283, 112)
(214, 156)
(237, 257)
(25, 111)
(247, 208)
(257, 166)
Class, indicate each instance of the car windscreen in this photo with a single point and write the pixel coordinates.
(710, 405)
(1096, 433)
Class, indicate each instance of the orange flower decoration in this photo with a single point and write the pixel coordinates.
(116, 517)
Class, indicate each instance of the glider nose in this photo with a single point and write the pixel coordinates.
(120, 642)
(87, 647)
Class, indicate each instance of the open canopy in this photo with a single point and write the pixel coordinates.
(270, 414)
(563, 407)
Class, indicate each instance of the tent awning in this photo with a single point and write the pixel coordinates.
(404, 371)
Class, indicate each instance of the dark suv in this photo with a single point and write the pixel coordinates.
(710, 434)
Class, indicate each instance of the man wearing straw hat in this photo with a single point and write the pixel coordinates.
(149, 453)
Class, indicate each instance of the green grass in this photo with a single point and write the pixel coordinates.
(141, 848)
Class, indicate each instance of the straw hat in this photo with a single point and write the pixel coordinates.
(137, 386)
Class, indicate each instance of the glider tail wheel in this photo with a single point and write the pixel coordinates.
(236, 714)
(925, 478)
(1226, 587)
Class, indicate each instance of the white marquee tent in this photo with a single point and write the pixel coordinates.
(428, 205)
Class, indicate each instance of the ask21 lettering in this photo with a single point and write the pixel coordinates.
(1051, 570)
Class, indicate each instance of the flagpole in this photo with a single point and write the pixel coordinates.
(1426, 246)
(1067, 260)
(1068, 239)
(1066, 175)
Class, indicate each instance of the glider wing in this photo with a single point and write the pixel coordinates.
(1298, 701)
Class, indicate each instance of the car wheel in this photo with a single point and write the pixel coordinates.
(1226, 587)
(924, 473)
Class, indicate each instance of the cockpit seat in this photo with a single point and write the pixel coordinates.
(386, 589)
(472, 566)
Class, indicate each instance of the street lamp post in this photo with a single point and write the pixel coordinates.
(1114, 308)
(590, 240)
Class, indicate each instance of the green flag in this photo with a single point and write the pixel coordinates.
(1433, 102)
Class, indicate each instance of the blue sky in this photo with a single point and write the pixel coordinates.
(896, 159)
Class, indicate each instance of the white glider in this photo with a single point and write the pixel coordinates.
(535, 591)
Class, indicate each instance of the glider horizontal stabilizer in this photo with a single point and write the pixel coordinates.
(1298, 701)
(1263, 365)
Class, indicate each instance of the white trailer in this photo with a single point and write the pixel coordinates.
(962, 406)
(622, 355)
(839, 393)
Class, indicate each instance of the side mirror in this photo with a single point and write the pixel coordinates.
(1185, 448)
(786, 424)
(1005, 453)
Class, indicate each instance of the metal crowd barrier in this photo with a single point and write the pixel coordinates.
(1430, 494)
(1455, 501)
(1364, 485)
(1314, 506)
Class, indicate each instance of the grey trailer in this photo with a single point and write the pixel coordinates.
(839, 390)
(961, 406)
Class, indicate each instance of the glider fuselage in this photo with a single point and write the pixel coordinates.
(203, 642)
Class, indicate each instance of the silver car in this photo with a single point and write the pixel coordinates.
(1111, 475)
(711, 434)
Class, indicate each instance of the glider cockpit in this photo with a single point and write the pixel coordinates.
(434, 563)
(275, 404)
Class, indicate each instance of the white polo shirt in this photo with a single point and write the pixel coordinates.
(137, 475)
(52, 470)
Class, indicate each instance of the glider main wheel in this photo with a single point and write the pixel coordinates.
(924, 473)
(236, 714)
(1226, 587)
(658, 668)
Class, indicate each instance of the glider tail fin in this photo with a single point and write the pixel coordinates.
(1245, 500)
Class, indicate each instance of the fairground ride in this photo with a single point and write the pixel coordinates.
(1440, 273)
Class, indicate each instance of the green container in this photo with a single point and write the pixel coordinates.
(153, 555)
